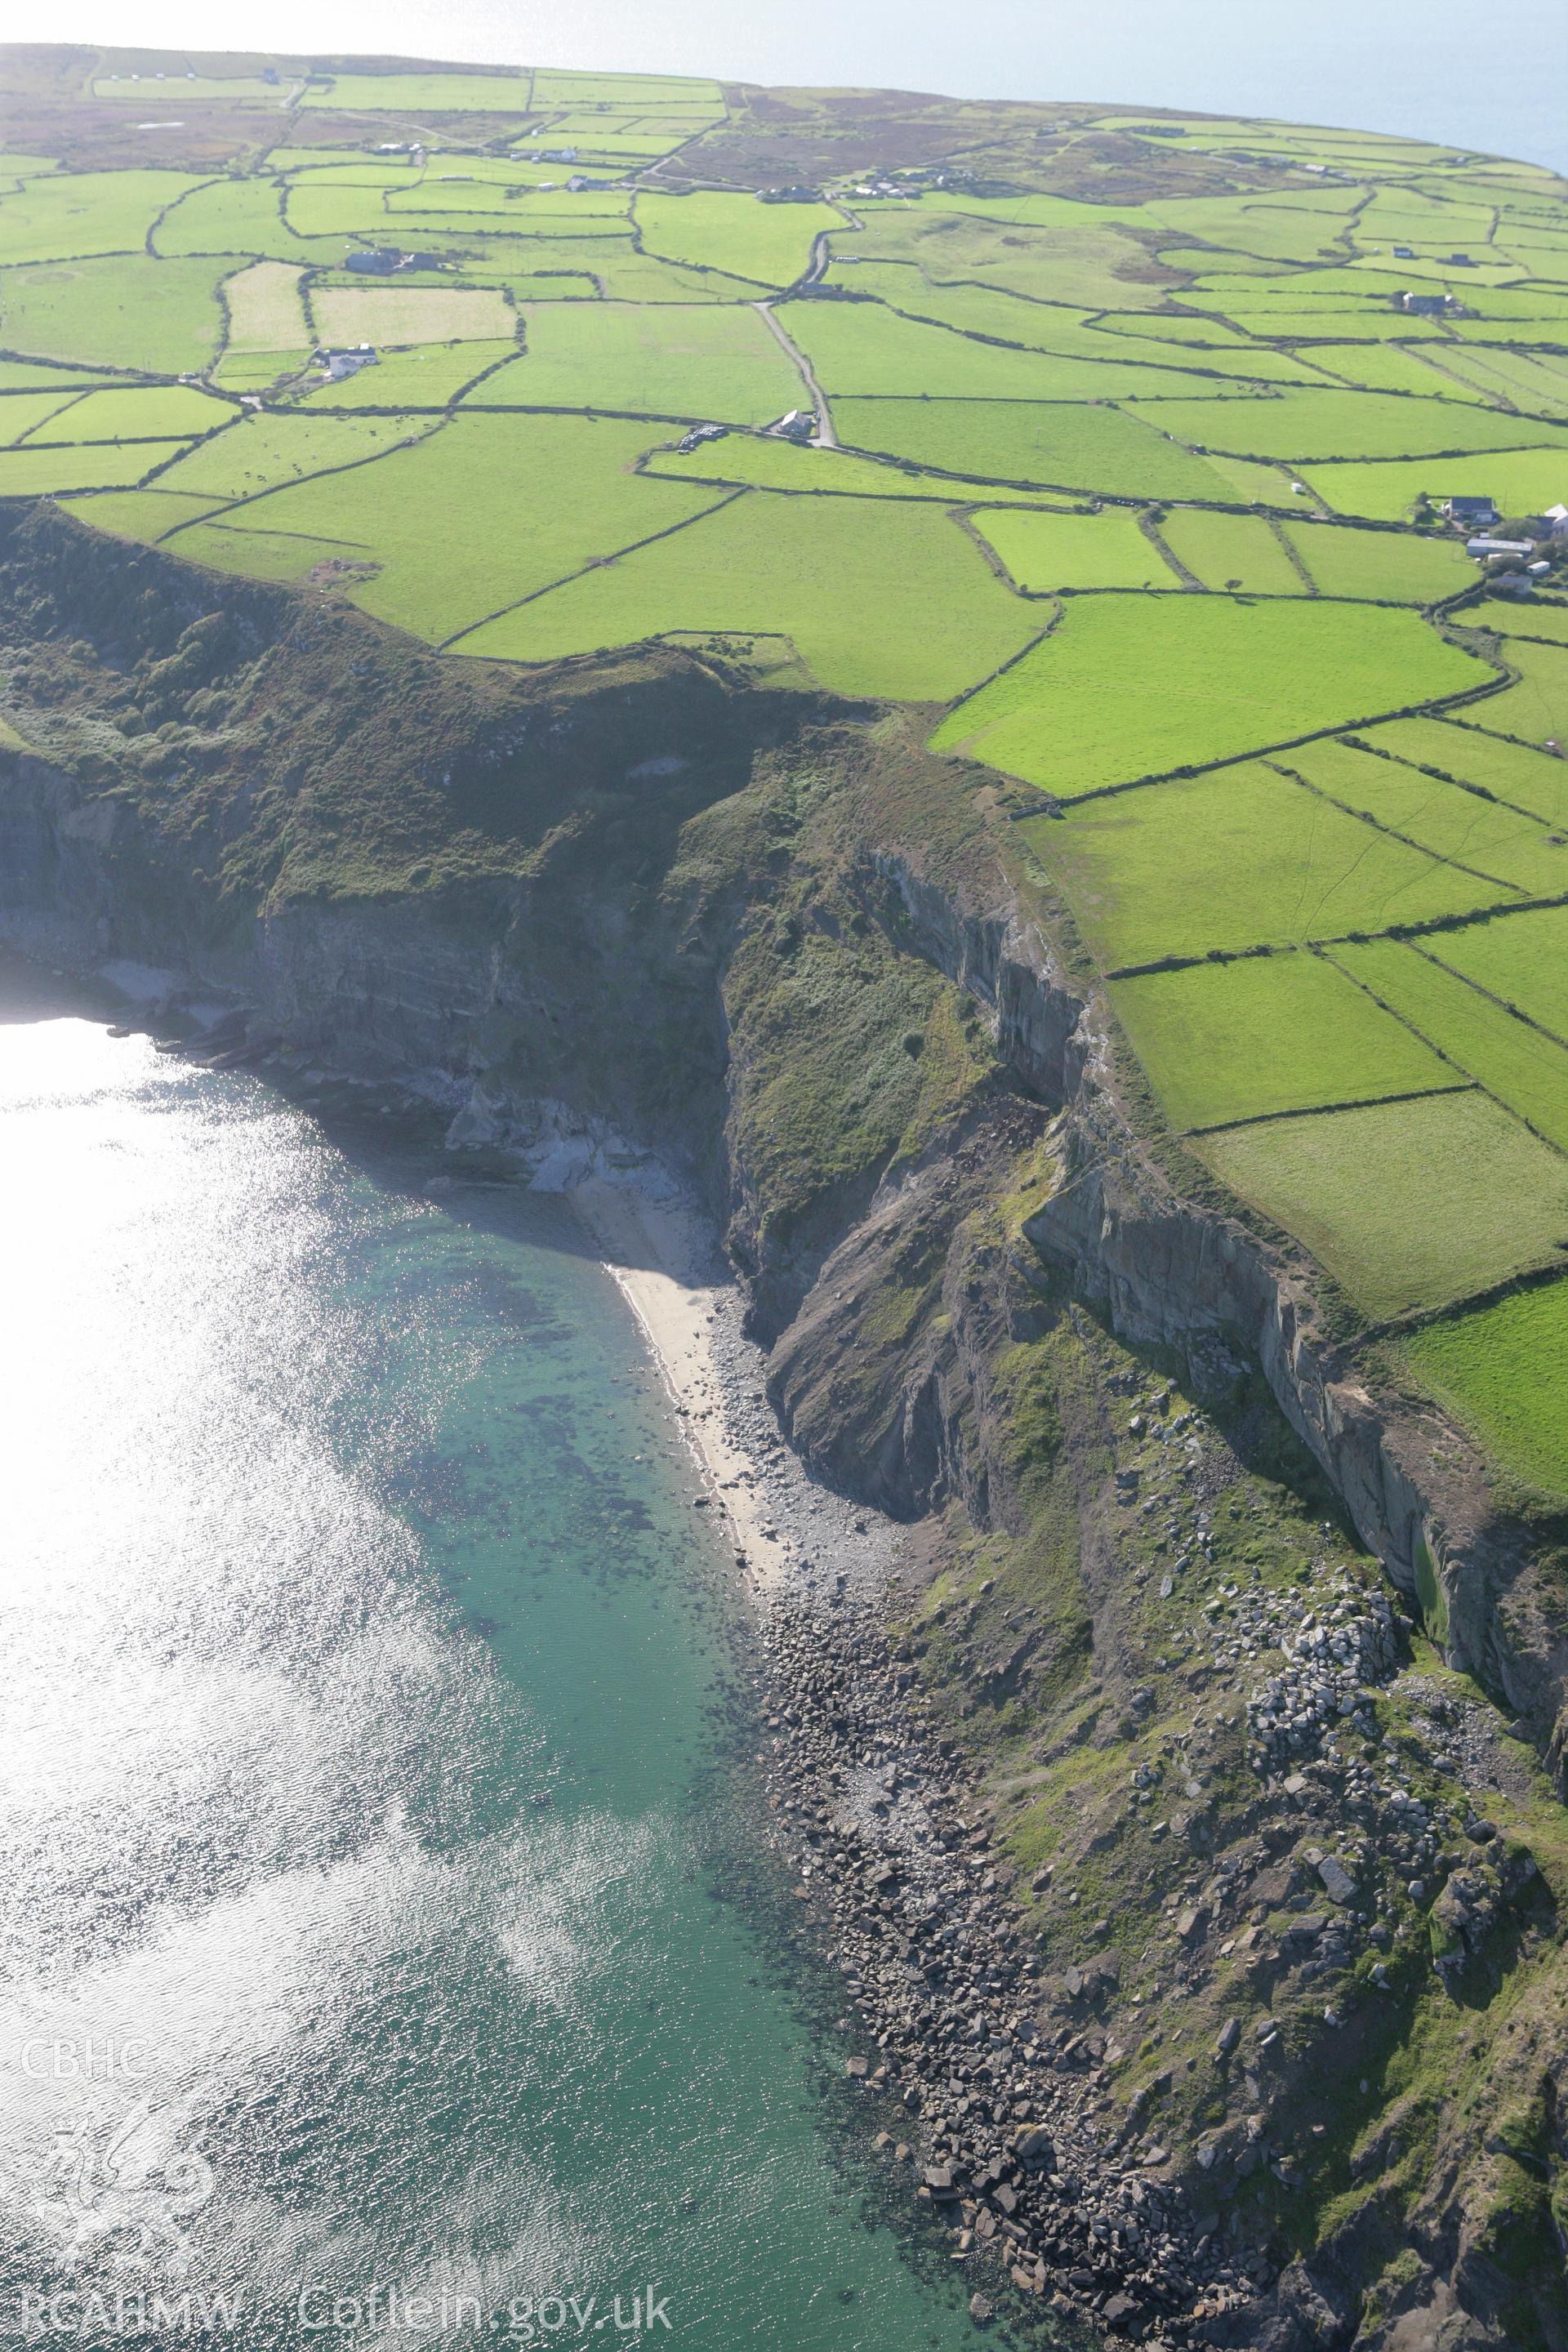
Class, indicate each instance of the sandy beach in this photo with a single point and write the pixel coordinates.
(791, 1537)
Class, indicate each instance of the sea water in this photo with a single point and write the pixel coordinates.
(371, 1970)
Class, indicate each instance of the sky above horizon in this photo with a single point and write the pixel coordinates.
(1434, 69)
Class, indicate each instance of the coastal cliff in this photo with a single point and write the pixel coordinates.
(771, 938)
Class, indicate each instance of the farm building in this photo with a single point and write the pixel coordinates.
(378, 261)
(341, 364)
(1476, 509)
(799, 425)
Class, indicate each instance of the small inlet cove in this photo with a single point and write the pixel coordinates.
(390, 1957)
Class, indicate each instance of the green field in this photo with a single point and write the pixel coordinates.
(1524, 963)
(711, 361)
(808, 470)
(464, 523)
(1301, 427)
(22, 413)
(768, 245)
(1535, 709)
(1535, 781)
(1141, 686)
(1408, 1206)
(1503, 1370)
(158, 412)
(35, 473)
(265, 311)
(1231, 550)
(1228, 1042)
(128, 312)
(350, 315)
(422, 93)
(1236, 859)
(880, 598)
(1391, 567)
(864, 348)
(1044, 551)
(1533, 618)
(1054, 444)
(1523, 1070)
(73, 215)
(1522, 481)
(1485, 836)
(425, 375)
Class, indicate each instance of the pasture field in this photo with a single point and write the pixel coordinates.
(23, 412)
(710, 362)
(866, 348)
(1384, 566)
(29, 473)
(766, 244)
(130, 312)
(1302, 427)
(242, 371)
(878, 598)
(1012, 319)
(1529, 780)
(1044, 551)
(265, 310)
(1231, 550)
(1491, 839)
(156, 412)
(347, 315)
(1055, 445)
(1236, 859)
(144, 515)
(420, 375)
(1523, 962)
(73, 215)
(1521, 1069)
(1535, 710)
(468, 519)
(241, 218)
(1140, 686)
(1087, 267)
(1502, 1370)
(37, 375)
(1223, 1042)
(1522, 481)
(1409, 1205)
(754, 460)
(1546, 623)
(262, 453)
(421, 93)
(1380, 367)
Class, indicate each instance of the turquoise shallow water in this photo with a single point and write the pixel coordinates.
(368, 1822)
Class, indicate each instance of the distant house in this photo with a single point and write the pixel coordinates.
(1461, 260)
(1513, 583)
(339, 364)
(1472, 509)
(1404, 253)
(580, 180)
(558, 154)
(1556, 520)
(800, 424)
(378, 261)
(1426, 306)
(791, 195)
